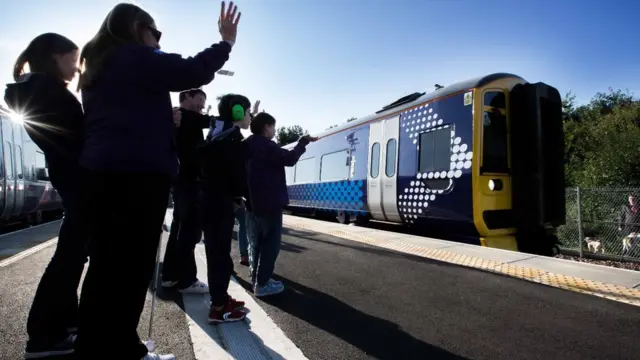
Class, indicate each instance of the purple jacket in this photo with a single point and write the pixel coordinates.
(266, 179)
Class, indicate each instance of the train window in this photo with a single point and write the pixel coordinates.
(390, 166)
(19, 168)
(8, 159)
(289, 173)
(375, 160)
(335, 166)
(40, 160)
(435, 150)
(305, 171)
(495, 153)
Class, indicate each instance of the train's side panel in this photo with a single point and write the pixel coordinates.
(435, 168)
(332, 174)
(33, 159)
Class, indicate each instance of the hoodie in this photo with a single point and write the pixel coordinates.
(222, 161)
(129, 122)
(266, 179)
(54, 118)
(188, 137)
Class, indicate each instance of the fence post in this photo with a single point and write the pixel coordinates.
(580, 234)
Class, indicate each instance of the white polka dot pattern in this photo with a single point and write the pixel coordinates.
(414, 200)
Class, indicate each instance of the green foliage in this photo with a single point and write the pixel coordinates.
(291, 134)
(602, 139)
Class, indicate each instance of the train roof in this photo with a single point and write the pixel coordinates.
(415, 99)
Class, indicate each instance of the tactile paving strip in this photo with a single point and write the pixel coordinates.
(608, 291)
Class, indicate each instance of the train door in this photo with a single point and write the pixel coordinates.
(390, 169)
(382, 192)
(10, 183)
(374, 179)
(19, 173)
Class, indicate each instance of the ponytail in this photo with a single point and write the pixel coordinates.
(18, 68)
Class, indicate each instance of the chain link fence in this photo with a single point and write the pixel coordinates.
(595, 226)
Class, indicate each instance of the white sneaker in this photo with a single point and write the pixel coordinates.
(169, 284)
(198, 287)
(152, 356)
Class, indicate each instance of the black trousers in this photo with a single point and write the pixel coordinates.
(55, 304)
(125, 212)
(179, 262)
(217, 218)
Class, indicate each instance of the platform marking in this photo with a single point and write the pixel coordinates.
(30, 251)
(257, 337)
(608, 291)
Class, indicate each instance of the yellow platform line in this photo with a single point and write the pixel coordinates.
(596, 288)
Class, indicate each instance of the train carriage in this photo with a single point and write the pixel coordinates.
(481, 159)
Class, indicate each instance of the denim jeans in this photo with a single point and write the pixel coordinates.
(243, 240)
(265, 235)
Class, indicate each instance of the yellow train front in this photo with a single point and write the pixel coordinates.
(480, 161)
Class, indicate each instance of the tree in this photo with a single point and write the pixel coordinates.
(290, 134)
(601, 140)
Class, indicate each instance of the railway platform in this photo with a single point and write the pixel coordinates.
(360, 293)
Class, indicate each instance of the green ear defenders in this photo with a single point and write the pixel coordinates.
(237, 112)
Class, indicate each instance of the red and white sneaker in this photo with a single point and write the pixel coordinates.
(227, 314)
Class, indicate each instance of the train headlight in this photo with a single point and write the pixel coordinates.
(495, 184)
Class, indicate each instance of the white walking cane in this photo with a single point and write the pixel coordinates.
(149, 343)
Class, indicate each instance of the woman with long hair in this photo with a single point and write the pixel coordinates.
(129, 159)
(53, 119)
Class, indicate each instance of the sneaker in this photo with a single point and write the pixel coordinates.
(244, 260)
(233, 304)
(227, 314)
(62, 348)
(152, 356)
(198, 287)
(272, 287)
(169, 283)
(236, 304)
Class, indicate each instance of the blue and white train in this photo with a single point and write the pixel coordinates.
(480, 159)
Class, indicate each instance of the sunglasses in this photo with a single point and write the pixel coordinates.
(155, 32)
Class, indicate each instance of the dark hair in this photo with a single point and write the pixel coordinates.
(121, 26)
(191, 93)
(227, 102)
(260, 121)
(39, 54)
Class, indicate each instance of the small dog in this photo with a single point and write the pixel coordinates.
(594, 245)
(628, 242)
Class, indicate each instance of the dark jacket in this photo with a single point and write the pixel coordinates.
(54, 116)
(629, 221)
(129, 121)
(188, 138)
(54, 121)
(222, 162)
(266, 179)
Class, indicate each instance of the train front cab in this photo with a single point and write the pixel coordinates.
(518, 185)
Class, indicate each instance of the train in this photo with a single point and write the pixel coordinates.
(481, 160)
(26, 194)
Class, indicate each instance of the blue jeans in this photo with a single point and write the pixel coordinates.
(243, 240)
(265, 235)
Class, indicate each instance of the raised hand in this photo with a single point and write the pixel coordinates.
(228, 22)
(177, 116)
(310, 138)
(256, 107)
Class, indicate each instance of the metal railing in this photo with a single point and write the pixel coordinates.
(594, 213)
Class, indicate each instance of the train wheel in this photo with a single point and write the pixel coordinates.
(343, 217)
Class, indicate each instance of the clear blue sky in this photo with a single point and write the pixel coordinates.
(317, 63)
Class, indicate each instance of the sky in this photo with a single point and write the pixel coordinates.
(317, 63)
